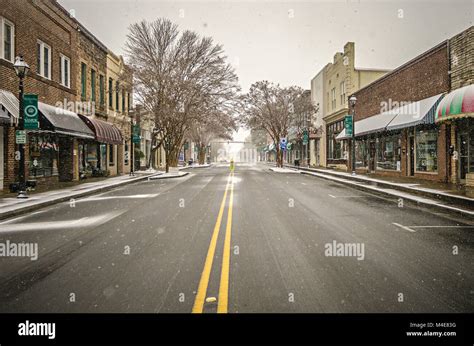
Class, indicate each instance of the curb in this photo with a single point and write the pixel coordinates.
(167, 177)
(432, 205)
(459, 200)
(195, 167)
(20, 211)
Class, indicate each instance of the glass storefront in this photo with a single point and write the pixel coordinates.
(336, 148)
(426, 144)
(92, 157)
(43, 154)
(362, 153)
(466, 150)
(389, 152)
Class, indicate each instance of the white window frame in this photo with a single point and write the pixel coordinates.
(4, 21)
(64, 82)
(343, 92)
(41, 69)
(333, 98)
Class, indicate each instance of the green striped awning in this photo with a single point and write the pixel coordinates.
(458, 103)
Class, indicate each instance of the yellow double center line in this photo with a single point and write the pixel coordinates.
(223, 299)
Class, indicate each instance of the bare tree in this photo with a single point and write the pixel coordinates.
(270, 107)
(178, 76)
(217, 124)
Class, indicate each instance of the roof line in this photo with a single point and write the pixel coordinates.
(81, 27)
(405, 65)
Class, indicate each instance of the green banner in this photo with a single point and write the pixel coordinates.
(136, 134)
(348, 125)
(305, 137)
(30, 111)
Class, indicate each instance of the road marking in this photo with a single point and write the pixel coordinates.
(61, 225)
(406, 228)
(206, 273)
(96, 198)
(223, 301)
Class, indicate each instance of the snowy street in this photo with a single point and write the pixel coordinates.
(295, 243)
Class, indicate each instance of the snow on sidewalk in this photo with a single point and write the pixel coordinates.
(168, 175)
(10, 206)
(284, 170)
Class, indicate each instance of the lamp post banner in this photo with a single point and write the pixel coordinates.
(348, 125)
(30, 111)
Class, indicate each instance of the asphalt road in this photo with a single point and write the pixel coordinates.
(170, 246)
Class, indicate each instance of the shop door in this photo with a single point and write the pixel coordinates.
(411, 142)
(466, 154)
(372, 153)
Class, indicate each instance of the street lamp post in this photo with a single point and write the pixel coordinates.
(132, 163)
(352, 102)
(21, 70)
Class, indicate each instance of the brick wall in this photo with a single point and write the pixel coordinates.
(422, 77)
(36, 20)
(94, 55)
(462, 59)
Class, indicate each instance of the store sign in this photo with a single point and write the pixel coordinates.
(348, 125)
(20, 137)
(30, 111)
(136, 134)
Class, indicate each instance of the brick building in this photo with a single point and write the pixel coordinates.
(78, 135)
(395, 127)
(456, 110)
(47, 38)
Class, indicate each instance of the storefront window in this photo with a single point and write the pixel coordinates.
(388, 152)
(335, 148)
(43, 155)
(103, 156)
(426, 143)
(362, 153)
(111, 155)
(88, 157)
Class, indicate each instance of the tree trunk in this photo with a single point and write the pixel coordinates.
(150, 159)
(202, 155)
(173, 157)
(279, 157)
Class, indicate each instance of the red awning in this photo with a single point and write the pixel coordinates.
(104, 131)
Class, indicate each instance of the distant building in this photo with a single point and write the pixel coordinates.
(339, 79)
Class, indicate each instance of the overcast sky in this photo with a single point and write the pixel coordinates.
(290, 41)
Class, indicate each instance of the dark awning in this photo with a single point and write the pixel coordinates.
(408, 115)
(104, 131)
(65, 122)
(8, 108)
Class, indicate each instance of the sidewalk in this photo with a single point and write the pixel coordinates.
(12, 206)
(437, 195)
